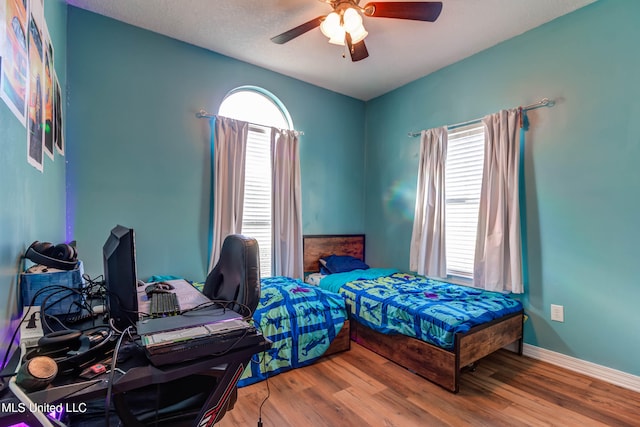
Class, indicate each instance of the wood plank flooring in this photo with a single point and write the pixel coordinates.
(360, 388)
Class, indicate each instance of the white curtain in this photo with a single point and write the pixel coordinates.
(427, 255)
(286, 224)
(498, 255)
(230, 142)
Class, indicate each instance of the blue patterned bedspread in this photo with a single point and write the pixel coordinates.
(393, 302)
(301, 321)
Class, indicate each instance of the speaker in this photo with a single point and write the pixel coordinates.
(61, 256)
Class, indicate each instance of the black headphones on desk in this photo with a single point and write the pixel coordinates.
(61, 256)
(73, 350)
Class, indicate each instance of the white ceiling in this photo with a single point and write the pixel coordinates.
(400, 51)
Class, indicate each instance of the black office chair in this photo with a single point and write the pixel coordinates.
(236, 276)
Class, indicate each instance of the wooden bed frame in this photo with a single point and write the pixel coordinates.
(443, 367)
(342, 341)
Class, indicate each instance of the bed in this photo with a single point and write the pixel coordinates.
(442, 361)
(304, 323)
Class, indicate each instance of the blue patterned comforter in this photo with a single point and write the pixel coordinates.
(393, 302)
(301, 321)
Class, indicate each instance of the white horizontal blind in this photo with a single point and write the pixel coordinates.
(256, 216)
(463, 178)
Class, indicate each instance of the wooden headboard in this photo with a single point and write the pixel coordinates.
(318, 246)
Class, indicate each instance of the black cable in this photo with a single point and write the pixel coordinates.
(69, 292)
(98, 282)
(58, 289)
(114, 361)
(57, 320)
(266, 375)
(263, 402)
(24, 316)
(52, 291)
(13, 338)
(224, 304)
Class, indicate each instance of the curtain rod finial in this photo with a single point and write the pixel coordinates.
(202, 114)
(548, 102)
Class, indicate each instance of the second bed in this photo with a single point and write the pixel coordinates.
(431, 327)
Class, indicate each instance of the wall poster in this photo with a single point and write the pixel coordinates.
(13, 50)
(28, 81)
(58, 136)
(35, 108)
(47, 62)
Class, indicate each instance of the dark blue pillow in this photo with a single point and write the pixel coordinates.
(323, 270)
(343, 263)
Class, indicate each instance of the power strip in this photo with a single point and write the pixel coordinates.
(31, 327)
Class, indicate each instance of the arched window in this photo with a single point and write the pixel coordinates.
(263, 110)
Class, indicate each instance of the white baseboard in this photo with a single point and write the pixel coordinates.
(613, 376)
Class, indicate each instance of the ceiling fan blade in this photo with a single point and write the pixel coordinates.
(357, 51)
(298, 31)
(419, 11)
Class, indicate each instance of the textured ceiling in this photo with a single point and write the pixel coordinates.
(400, 51)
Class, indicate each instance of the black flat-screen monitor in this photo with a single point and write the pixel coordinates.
(119, 253)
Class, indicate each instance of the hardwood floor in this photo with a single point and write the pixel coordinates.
(360, 388)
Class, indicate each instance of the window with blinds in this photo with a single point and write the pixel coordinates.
(256, 216)
(463, 178)
(262, 110)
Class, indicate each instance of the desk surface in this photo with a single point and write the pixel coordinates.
(136, 372)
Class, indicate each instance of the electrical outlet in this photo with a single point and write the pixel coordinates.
(557, 313)
(31, 327)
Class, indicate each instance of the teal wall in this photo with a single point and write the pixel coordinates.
(32, 204)
(139, 157)
(582, 175)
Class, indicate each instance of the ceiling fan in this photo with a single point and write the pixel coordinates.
(344, 24)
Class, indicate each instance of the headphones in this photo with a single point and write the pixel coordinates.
(73, 350)
(61, 256)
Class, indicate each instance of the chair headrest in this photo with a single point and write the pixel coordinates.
(236, 276)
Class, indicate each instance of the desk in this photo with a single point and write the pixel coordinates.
(138, 373)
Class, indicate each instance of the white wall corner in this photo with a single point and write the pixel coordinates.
(613, 376)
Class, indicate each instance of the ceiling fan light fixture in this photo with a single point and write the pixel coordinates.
(336, 25)
(331, 25)
(338, 37)
(358, 34)
(344, 26)
(351, 19)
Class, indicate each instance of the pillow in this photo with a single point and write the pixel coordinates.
(314, 279)
(323, 267)
(342, 263)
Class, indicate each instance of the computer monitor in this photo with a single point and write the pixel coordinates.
(119, 253)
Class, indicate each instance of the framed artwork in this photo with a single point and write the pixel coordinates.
(35, 107)
(29, 85)
(14, 53)
(58, 135)
(47, 63)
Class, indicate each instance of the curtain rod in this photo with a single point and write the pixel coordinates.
(544, 102)
(202, 114)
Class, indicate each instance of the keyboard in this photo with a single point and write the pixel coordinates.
(164, 304)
